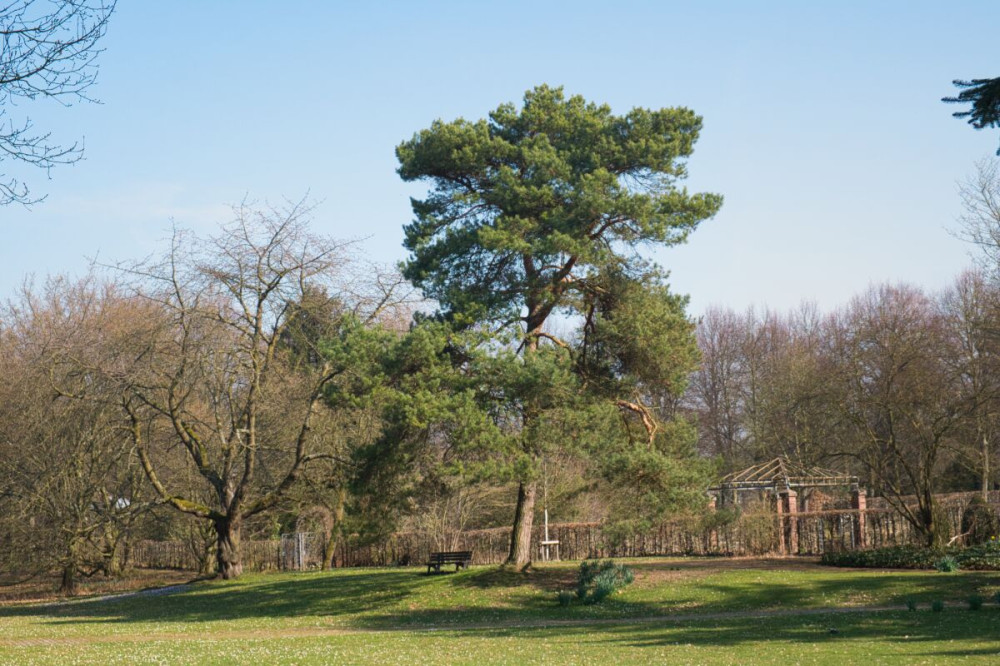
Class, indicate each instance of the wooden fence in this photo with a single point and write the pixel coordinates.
(751, 534)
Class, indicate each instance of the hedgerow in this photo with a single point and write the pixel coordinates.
(980, 557)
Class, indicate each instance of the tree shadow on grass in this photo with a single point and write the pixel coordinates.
(342, 594)
(903, 633)
(409, 599)
(396, 599)
(711, 595)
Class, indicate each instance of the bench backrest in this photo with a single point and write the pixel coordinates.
(447, 558)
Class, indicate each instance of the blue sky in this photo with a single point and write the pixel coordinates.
(823, 127)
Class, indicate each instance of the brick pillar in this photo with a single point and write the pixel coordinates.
(779, 507)
(859, 501)
(793, 523)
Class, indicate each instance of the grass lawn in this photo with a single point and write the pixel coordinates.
(678, 610)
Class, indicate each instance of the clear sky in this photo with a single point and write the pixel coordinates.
(823, 127)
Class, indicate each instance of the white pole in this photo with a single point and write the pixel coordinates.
(545, 507)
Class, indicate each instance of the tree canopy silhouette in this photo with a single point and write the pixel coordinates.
(984, 96)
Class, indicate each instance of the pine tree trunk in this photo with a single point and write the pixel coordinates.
(329, 550)
(229, 531)
(524, 514)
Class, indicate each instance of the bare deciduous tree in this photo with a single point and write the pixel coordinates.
(71, 493)
(47, 50)
(980, 218)
(970, 309)
(716, 392)
(222, 375)
(900, 400)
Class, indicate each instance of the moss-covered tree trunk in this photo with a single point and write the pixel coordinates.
(229, 531)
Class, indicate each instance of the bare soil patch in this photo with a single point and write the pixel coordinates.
(656, 573)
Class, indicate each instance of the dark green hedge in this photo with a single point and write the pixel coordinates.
(985, 557)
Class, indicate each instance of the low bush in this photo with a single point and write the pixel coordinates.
(975, 602)
(982, 557)
(894, 557)
(946, 564)
(937, 606)
(597, 580)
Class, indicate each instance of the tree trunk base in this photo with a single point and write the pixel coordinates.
(229, 563)
(524, 515)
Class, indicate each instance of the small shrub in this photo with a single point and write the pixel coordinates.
(996, 597)
(565, 597)
(937, 606)
(975, 602)
(911, 604)
(980, 522)
(603, 588)
(588, 569)
(946, 564)
(598, 580)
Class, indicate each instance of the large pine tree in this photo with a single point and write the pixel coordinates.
(534, 223)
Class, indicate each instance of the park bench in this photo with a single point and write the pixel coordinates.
(461, 559)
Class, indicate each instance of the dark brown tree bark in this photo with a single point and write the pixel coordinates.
(230, 562)
(524, 518)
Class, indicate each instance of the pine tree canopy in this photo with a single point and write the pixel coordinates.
(544, 210)
(529, 206)
(984, 96)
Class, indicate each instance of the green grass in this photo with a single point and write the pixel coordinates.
(404, 616)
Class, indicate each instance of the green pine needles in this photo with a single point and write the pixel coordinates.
(531, 236)
(983, 98)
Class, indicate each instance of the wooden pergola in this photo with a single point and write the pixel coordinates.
(783, 479)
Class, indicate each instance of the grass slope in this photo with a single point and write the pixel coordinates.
(490, 616)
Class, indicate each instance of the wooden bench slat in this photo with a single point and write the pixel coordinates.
(461, 559)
